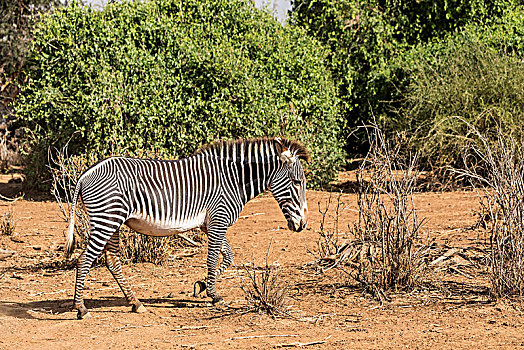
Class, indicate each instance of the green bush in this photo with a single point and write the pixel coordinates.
(472, 78)
(170, 75)
(366, 37)
(16, 21)
(361, 41)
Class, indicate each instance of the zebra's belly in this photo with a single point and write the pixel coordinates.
(148, 226)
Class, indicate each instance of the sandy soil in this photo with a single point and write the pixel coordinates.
(448, 311)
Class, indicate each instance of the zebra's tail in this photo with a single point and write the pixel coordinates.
(70, 237)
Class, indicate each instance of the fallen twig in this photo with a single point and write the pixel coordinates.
(4, 198)
(195, 345)
(43, 293)
(188, 240)
(446, 255)
(140, 326)
(247, 216)
(461, 272)
(297, 344)
(191, 328)
(262, 336)
(187, 255)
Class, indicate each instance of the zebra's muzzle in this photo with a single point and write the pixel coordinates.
(296, 224)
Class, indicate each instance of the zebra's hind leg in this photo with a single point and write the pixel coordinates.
(84, 264)
(115, 267)
(103, 226)
(81, 272)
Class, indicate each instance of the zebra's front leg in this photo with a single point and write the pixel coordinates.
(115, 267)
(227, 259)
(215, 240)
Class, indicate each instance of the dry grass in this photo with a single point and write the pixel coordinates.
(134, 247)
(263, 289)
(499, 179)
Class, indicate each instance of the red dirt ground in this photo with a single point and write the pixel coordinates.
(450, 311)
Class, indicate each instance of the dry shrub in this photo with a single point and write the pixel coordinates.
(330, 239)
(387, 217)
(9, 154)
(379, 251)
(134, 246)
(496, 169)
(8, 223)
(263, 289)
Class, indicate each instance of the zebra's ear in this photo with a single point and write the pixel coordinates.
(287, 157)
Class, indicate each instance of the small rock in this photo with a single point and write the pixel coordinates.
(6, 253)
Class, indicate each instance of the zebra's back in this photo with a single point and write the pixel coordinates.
(156, 197)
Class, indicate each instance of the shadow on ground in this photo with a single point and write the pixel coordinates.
(12, 187)
(29, 310)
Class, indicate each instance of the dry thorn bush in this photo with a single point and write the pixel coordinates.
(388, 221)
(329, 241)
(134, 247)
(496, 170)
(263, 289)
(380, 250)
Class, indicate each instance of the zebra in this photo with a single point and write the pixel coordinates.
(161, 198)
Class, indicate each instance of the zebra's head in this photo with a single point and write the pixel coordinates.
(289, 185)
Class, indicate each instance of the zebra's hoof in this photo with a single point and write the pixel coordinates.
(83, 315)
(198, 288)
(217, 300)
(139, 308)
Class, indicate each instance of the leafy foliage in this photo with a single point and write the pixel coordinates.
(472, 78)
(361, 41)
(366, 37)
(15, 34)
(170, 75)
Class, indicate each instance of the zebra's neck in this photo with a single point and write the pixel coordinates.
(255, 177)
(249, 166)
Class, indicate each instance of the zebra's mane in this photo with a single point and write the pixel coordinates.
(280, 144)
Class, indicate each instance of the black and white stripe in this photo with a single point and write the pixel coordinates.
(207, 190)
